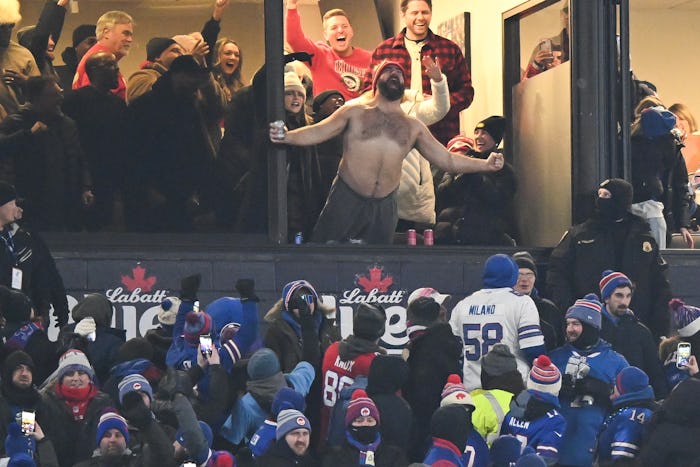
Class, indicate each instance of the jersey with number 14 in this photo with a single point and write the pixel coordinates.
(492, 316)
(338, 374)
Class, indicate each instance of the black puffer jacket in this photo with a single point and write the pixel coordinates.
(589, 248)
(675, 430)
(387, 375)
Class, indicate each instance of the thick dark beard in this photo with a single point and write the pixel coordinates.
(391, 93)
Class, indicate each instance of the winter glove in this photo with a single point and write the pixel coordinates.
(189, 286)
(246, 289)
(85, 326)
(135, 411)
(595, 387)
(175, 382)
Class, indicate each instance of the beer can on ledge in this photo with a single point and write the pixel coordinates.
(411, 237)
(428, 238)
(298, 238)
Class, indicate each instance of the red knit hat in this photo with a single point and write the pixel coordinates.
(380, 68)
(360, 406)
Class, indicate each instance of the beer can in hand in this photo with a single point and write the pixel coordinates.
(428, 238)
(411, 236)
(278, 127)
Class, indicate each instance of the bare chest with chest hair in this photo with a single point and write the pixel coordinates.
(395, 126)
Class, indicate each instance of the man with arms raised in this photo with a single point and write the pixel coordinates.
(115, 33)
(377, 136)
(336, 63)
(417, 41)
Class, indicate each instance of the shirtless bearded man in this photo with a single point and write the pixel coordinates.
(377, 136)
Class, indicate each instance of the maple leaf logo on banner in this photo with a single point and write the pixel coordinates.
(376, 279)
(139, 280)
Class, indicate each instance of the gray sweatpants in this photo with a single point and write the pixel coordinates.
(349, 215)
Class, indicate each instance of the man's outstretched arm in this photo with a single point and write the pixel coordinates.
(431, 149)
(313, 134)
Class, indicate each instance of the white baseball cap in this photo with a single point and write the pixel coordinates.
(428, 292)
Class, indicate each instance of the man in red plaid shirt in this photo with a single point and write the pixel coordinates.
(408, 47)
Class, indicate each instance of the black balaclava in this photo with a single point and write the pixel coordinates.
(589, 336)
(615, 207)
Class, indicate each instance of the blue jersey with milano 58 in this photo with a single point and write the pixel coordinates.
(496, 315)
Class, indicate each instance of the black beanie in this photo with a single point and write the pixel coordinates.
(423, 311)
(495, 126)
(16, 307)
(453, 423)
(7, 193)
(369, 321)
(137, 347)
(157, 46)
(14, 360)
(82, 32)
(525, 260)
(323, 97)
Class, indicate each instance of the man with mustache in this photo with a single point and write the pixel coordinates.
(623, 330)
(337, 64)
(377, 135)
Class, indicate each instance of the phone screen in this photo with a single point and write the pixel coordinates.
(205, 345)
(28, 422)
(682, 354)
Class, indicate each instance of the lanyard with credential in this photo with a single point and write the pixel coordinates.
(10, 244)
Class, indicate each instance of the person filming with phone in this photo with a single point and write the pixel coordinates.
(552, 51)
(679, 352)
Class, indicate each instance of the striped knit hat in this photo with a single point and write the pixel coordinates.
(108, 421)
(454, 392)
(290, 420)
(586, 310)
(686, 318)
(610, 281)
(360, 406)
(289, 290)
(544, 377)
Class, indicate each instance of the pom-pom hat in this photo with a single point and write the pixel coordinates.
(544, 377)
(586, 310)
(454, 392)
(686, 318)
(361, 406)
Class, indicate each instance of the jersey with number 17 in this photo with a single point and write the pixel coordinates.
(495, 316)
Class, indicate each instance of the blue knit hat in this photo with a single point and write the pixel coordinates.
(610, 281)
(631, 379)
(110, 420)
(505, 450)
(586, 310)
(500, 271)
(657, 121)
(287, 398)
(206, 431)
(686, 318)
(132, 383)
(263, 364)
(290, 420)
